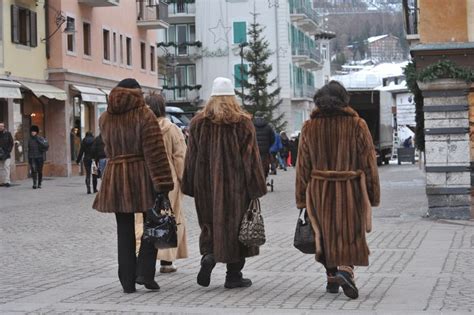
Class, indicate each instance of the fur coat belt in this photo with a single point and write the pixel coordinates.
(119, 159)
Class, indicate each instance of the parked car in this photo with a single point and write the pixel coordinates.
(177, 116)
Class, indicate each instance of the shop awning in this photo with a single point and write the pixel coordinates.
(9, 89)
(46, 90)
(91, 94)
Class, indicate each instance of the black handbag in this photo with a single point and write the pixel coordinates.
(160, 227)
(304, 235)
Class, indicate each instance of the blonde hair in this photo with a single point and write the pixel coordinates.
(224, 110)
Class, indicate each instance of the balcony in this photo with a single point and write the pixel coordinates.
(181, 12)
(181, 96)
(309, 59)
(184, 53)
(411, 20)
(303, 92)
(100, 3)
(152, 14)
(304, 16)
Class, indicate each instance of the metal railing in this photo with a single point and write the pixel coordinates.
(152, 10)
(314, 53)
(304, 7)
(181, 7)
(303, 91)
(180, 95)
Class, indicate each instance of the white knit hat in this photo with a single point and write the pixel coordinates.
(222, 86)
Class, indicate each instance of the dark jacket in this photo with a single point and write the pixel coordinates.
(98, 149)
(6, 142)
(285, 146)
(34, 148)
(265, 135)
(86, 149)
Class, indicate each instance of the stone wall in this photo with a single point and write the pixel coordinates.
(448, 149)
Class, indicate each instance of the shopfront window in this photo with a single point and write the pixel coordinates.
(27, 113)
(19, 132)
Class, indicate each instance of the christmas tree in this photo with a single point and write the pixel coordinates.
(254, 80)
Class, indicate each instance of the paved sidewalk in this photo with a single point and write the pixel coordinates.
(59, 257)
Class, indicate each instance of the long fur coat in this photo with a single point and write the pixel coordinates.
(138, 166)
(223, 173)
(337, 182)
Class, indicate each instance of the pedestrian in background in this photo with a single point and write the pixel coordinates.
(294, 142)
(137, 173)
(37, 146)
(284, 151)
(86, 156)
(337, 167)
(265, 139)
(275, 153)
(223, 173)
(6, 147)
(98, 155)
(175, 146)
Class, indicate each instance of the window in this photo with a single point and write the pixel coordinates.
(182, 32)
(143, 55)
(71, 38)
(1, 36)
(106, 40)
(86, 31)
(239, 76)
(152, 59)
(129, 51)
(23, 26)
(114, 46)
(240, 32)
(121, 49)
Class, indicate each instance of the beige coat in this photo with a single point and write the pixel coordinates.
(175, 149)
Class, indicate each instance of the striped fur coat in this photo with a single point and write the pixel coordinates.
(138, 165)
(337, 181)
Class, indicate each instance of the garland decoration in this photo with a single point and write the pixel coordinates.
(182, 87)
(177, 45)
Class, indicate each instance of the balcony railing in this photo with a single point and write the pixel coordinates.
(306, 57)
(189, 50)
(181, 95)
(303, 91)
(181, 7)
(304, 15)
(152, 14)
(100, 3)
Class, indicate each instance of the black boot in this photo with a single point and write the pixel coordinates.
(88, 185)
(35, 180)
(40, 179)
(234, 278)
(207, 264)
(150, 285)
(94, 183)
(332, 286)
(346, 281)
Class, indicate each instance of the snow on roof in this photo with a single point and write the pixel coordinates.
(372, 77)
(376, 38)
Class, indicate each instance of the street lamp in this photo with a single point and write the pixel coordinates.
(241, 46)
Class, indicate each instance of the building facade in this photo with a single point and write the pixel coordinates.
(385, 48)
(203, 41)
(438, 33)
(59, 59)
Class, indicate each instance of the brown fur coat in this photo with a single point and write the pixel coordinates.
(337, 181)
(223, 173)
(138, 166)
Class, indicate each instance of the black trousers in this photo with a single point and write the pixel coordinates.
(130, 267)
(36, 167)
(88, 167)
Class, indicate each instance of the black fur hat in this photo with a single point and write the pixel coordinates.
(34, 128)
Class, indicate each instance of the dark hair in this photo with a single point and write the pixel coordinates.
(157, 104)
(89, 134)
(331, 97)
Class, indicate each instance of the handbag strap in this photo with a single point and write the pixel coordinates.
(255, 205)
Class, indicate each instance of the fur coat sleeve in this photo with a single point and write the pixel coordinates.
(368, 163)
(187, 184)
(155, 154)
(303, 169)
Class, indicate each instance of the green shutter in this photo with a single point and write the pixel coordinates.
(238, 74)
(240, 32)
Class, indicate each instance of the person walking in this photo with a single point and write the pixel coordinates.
(85, 155)
(265, 139)
(223, 173)
(337, 168)
(137, 173)
(37, 146)
(275, 153)
(98, 155)
(285, 150)
(6, 147)
(175, 146)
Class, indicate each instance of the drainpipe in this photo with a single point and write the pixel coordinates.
(46, 27)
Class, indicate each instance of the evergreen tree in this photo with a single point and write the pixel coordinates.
(255, 81)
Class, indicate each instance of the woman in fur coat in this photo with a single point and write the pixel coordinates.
(175, 146)
(337, 182)
(223, 173)
(137, 172)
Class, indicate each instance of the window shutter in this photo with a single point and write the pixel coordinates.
(15, 20)
(33, 30)
(240, 32)
(239, 75)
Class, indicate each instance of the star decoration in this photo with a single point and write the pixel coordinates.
(220, 32)
(282, 51)
(273, 3)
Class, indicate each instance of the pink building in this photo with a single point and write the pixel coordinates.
(99, 43)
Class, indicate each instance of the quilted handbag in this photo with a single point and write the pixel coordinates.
(160, 227)
(252, 229)
(304, 235)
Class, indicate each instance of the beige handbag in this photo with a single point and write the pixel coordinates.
(252, 229)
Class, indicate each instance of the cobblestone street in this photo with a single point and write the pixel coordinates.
(58, 256)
